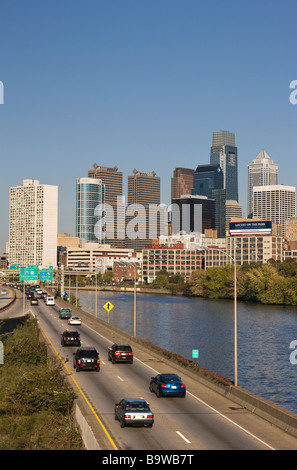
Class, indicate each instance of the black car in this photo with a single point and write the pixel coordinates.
(120, 353)
(167, 384)
(70, 338)
(86, 358)
(133, 412)
(34, 301)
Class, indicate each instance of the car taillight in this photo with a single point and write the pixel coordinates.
(150, 416)
(163, 386)
(182, 386)
(117, 353)
(127, 416)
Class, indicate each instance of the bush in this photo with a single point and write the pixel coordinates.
(35, 398)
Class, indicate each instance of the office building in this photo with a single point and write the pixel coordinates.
(193, 214)
(181, 182)
(209, 182)
(206, 179)
(233, 209)
(112, 179)
(145, 219)
(33, 224)
(274, 202)
(262, 172)
(175, 259)
(224, 154)
(90, 209)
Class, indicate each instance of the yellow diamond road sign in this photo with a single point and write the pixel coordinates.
(108, 306)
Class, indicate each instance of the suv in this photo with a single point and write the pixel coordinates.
(65, 313)
(120, 353)
(86, 358)
(70, 337)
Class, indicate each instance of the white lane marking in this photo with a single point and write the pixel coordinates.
(201, 401)
(120, 378)
(183, 437)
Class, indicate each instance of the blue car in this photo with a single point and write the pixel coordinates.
(167, 384)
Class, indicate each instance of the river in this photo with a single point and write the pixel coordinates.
(181, 324)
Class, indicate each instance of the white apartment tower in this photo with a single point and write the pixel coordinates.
(33, 224)
(275, 202)
(262, 172)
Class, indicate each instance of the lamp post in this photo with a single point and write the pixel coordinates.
(235, 315)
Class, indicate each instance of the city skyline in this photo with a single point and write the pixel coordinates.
(94, 84)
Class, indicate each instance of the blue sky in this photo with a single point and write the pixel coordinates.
(142, 84)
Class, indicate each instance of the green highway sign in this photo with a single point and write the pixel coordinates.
(46, 275)
(195, 353)
(29, 274)
(14, 267)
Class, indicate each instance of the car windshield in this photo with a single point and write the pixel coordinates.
(170, 378)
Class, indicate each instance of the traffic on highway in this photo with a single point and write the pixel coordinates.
(157, 406)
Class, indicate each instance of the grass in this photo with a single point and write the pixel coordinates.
(35, 398)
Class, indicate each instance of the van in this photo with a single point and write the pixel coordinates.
(50, 300)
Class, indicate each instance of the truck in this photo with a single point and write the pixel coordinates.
(65, 313)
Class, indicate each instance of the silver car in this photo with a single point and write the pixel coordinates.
(133, 412)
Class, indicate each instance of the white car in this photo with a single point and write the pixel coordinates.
(4, 292)
(74, 321)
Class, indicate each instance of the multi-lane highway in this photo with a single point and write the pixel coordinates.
(202, 420)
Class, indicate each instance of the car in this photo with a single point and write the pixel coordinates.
(120, 353)
(167, 384)
(133, 412)
(65, 313)
(4, 292)
(74, 320)
(34, 301)
(70, 338)
(86, 358)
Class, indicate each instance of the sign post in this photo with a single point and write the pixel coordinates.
(108, 307)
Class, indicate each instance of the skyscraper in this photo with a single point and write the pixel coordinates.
(142, 220)
(224, 153)
(181, 182)
(262, 172)
(209, 182)
(90, 209)
(275, 202)
(33, 224)
(206, 179)
(112, 179)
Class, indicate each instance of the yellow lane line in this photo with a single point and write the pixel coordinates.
(80, 390)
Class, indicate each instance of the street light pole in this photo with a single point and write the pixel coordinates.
(235, 316)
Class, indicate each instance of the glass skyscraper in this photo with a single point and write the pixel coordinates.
(224, 153)
(90, 209)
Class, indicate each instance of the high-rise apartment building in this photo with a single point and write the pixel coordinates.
(90, 209)
(112, 179)
(224, 153)
(144, 220)
(275, 202)
(181, 182)
(261, 172)
(33, 224)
